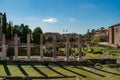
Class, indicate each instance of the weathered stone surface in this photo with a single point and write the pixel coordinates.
(15, 57)
(41, 47)
(28, 47)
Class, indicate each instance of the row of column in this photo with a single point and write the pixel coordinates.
(54, 58)
(15, 57)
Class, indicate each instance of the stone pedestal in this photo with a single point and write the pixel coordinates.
(15, 57)
(41, 47)
(67, 48)
(54, 58)
(79, 42)
(28, 48)
(3, 47)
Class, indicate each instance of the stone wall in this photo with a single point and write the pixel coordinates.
(117, 34)
(114, 34)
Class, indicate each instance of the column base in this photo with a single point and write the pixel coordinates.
(67, 59)
(54, 59)
(15, 58)
(79, 59)
(28, 59)
(41, 59)
(1, 56)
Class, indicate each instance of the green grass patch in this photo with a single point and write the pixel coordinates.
(94, 55)
(85, 73)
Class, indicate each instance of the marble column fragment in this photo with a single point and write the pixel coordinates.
(41, 47)
(79, 42)
(3, 48)
(67, 48)
(28, 48)
(54, 58)
(15, 57)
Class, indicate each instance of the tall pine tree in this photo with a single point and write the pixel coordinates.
(9, 33)
(4, 31)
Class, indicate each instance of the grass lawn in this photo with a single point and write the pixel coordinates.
(85, 73)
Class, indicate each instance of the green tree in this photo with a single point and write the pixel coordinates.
(92, 32)
(9, 30)
(102, 28)
(16, 30)
(24, 30)
(95, 39)
(88, 35)
(36, 35)
(4, 24)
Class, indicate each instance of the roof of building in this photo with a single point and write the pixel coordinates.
(115, 25)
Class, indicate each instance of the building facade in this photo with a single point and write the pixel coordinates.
(114, 34)
(99, 33)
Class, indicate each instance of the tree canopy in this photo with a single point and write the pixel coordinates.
(4, 24)
(36, 35)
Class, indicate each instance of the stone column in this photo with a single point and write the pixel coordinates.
(28, 47)
(54, 58)
(3, 47)
(79, 42)
(15, 57)
(67, 48)
(41, 47)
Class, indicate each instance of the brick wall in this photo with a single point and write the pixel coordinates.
(110, 35)
(114, 34)
(117, 34)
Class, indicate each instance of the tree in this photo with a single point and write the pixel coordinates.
(9, 31)
(88, 35)
(24, 30)
(16, 30)
(4, 24)
(92, 32)
(36, 35)
(95, 39)
(102, 28)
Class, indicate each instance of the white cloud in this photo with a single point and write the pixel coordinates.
(50, 20)
(72, 19)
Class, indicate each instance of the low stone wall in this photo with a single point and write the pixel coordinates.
(102, 61)
(87, 62)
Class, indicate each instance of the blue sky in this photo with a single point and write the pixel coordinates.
(76, 16)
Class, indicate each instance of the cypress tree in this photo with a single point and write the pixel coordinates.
(9, 34)
(4, 24)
